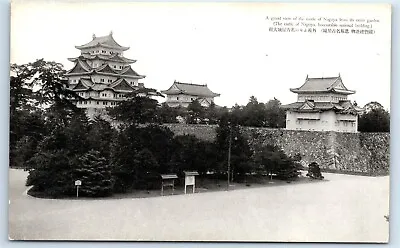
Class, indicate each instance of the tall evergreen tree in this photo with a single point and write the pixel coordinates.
(95, 173)
(254, 113)
(196, 112)
(275, 115)
(212, 114)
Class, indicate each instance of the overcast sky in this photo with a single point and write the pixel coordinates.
(227, 46)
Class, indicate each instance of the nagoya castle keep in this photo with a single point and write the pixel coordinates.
(102, 76)
(322, 105)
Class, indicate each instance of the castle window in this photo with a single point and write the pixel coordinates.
(115, 66)
(120, 67)
(97, 102)
(101, 79)
(109, 80)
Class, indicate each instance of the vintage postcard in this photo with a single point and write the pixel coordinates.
(249, 122)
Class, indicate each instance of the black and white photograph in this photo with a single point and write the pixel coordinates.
(215, 122)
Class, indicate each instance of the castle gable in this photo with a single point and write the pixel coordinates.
(79, 68)
(80, 86)
(307, 106)
(121, 85)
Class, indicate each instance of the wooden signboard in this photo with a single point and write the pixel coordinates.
(190, 179)
(168, 180)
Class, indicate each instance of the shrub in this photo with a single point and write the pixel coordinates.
(314, 171)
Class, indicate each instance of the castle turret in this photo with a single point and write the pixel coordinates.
(322, 105)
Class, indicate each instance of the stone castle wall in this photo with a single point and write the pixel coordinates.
(366, 153)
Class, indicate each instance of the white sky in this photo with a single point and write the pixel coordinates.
(219, 44)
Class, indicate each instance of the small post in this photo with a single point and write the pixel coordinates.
(229, 153)
(77, 184)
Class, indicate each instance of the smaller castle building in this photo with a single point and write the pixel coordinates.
(182, 94)
(322, 105)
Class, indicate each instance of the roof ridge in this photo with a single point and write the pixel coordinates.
(191, 84)
(116, 82)
(323, 77)
(85, 65)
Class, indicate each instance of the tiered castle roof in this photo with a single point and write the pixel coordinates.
(83, 68)
(113, 57)
(323, 85)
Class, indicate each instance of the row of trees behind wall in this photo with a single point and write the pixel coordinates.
(259, 114)
(254, 113)
(58, 144)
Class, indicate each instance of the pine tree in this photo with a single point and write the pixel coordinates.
(95, 174)
(287, 169)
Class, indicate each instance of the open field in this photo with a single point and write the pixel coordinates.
(343, 208)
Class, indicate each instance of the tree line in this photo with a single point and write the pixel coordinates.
(257, 114)
(254, 113)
